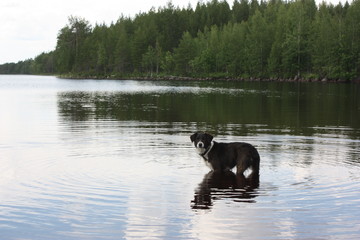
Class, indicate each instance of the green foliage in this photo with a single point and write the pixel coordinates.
(184, 53)
(240, 11)
(277, 39)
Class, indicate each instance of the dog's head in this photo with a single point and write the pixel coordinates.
(202, 141)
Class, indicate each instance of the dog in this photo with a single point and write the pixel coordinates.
(222, 157)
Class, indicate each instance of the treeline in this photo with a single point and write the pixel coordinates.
(273, 39)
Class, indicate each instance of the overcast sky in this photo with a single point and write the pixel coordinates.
(30, 27)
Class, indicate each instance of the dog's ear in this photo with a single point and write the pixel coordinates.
(209, 137)
(193, 137)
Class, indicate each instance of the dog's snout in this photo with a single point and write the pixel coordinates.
(200, 145)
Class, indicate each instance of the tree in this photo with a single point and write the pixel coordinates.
(122, 58)
(351, 60)
(70, 44)
(184, 53)
(43, 63)
(168, 63)
(326, 42)
(258, 45)
(240, 11)
(233, 48)
(296, 55)
(149, 60)
(275, 62)
(101, 59)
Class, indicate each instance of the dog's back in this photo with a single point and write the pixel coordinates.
(225, 156)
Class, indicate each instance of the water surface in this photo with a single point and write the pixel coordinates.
(107, 159)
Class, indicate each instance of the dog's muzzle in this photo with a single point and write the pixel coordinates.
(200, 145)
(200, 148)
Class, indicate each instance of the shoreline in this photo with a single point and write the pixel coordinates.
(237, 79)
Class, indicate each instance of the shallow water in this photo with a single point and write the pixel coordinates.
(106, 159)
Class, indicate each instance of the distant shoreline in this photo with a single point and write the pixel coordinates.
(182, 78)
(237, 79)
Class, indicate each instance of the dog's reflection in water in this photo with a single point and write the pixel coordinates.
(225, 185)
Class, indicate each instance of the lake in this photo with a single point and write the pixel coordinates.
(112, 159)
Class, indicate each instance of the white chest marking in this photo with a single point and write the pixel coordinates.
(206, 156)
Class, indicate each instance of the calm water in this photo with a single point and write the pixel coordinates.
(87, 159)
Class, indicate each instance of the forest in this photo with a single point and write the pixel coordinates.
(273, 39)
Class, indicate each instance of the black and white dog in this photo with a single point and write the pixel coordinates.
(225, 156)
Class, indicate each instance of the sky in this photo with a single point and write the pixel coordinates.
(30, 27)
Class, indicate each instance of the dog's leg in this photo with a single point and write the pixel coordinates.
(255, 164)
(243, 163)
